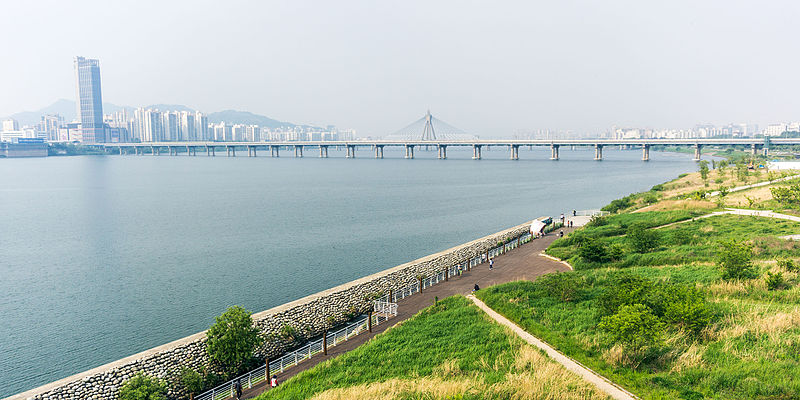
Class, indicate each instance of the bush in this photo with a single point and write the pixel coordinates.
(232, 340)
(143, 387)
(619, 204)
(680, 237)
(681, 305)
(658, 188)
(624, 289)
(634, 326)
(191, 380)
(787, 196)
(642, 240)
(788, 264)
(775, 281)
(735, 258)
(563, 285)
(650, 198)
(593, 250)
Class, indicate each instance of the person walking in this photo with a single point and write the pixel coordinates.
(238, 389)
(491, 264)
(476, 288)
(274, 381)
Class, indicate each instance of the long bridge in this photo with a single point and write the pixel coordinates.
(755, 145)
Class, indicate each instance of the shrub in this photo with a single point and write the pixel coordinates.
(734, 258)
(658, 188)
(619, 204)
(593, 250)
(703, 170)
(680, 237)
(634, 326)
(641, 239)
(191, 380)
(232, 339)
(788, 264)
(143, 387)
(788, 196)
(650, 198)
(562, 285)
(682, 305)
(624, 289)
(597, 220)
(775, 281)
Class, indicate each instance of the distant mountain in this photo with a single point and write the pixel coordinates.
(63, 107)
(244, 117)
(67, 109)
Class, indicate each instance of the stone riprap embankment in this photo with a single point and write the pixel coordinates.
(308, 317)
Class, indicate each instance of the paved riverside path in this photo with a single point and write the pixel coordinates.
(571, 365)
(523, 262)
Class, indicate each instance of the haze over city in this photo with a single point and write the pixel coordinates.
(492, 69)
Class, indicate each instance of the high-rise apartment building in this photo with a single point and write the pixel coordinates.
(203, 133)
(90, 100)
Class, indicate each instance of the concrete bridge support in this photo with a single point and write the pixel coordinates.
(515, 152)
(211, 151)
(754, 149)
(378, 151)
(154, 150)
(554, 152)
(274, 151)
(409, 152)
(351, 151)
(231, 151)
(323, 151)
(698, 149)
(645, 152)
(598, 152)
(442, 152)
(298, 151)
(476, 152)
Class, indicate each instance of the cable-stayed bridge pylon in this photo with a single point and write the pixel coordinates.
(430, 128)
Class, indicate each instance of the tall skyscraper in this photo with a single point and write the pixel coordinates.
(90, 99)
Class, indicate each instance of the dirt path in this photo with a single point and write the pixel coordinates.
(571, 365)
(523, 262)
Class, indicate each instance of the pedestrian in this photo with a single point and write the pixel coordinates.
(459, 270)
(560, 233)
(274, 381)
(574, 213)
(491, 264)
(238, 388)
(562, 218)
(476, 288)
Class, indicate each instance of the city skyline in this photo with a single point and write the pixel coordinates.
(580, 67)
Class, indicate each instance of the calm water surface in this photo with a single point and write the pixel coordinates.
(103, 257)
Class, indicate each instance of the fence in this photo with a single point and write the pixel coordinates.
(591, 213)
(385, 308)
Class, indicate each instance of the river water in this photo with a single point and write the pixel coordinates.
(105, 256)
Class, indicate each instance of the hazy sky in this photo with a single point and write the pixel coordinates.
(490, 68)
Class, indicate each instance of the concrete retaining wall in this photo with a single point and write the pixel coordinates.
(309, 317)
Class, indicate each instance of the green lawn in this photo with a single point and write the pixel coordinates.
(749, 350)
(682, 243)
(450, 350)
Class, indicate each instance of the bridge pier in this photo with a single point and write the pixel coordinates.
(298, 151)
(515, 152)
(379, 151)
(154, 150)
(554, 152)
(598, 152)
(442, 152)
(754, 149)
(274, 151)
(476, 152)
(698, 149)
(351, 151)
(645, 152)
(323, 151)
(409, 152)
(231, 151)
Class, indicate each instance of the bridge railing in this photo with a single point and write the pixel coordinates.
(591, 213)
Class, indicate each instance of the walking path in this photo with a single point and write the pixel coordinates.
(571, 365)
(523, 262)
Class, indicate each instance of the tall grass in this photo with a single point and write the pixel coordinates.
(447, 351)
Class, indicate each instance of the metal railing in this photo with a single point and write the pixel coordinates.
(385, 307)
(591, 213)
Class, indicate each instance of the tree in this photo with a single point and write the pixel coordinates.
(593, 250)
(191, 380)
(741, 171)
(634, 326)
(734, 259)
(721, 167)
(788, 196)
(232, 339)
(143, 387)
(641, 238)
(624, 289)
(704, 170)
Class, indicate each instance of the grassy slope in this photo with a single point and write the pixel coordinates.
(751, 350)
(451, 350)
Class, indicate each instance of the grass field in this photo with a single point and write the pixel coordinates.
(750, 350)
(447, 351)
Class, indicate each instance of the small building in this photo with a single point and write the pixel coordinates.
(24, 147)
